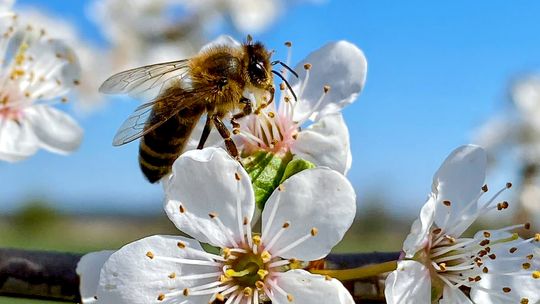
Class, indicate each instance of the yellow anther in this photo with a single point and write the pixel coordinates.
(172, 275)
(262, 273)
(150, 254)
(256, 240)
(247, 292)
(161, 297)
(536, 274)
(181, 245)
(295, 264)
(220, 297)
(266, 256)
(290, 298)
(185, 292)
(314, 231)
(259, 285)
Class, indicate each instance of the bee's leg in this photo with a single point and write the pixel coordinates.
(205, 132)
(263, 105)
(248, 109)
(224, 132)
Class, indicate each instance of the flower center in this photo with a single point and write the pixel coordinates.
(246, 269)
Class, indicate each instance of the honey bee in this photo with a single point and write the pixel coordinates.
(212, 82)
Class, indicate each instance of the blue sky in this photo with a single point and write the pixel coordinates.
(436, 71)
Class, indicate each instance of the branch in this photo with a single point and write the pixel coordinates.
(51, 275)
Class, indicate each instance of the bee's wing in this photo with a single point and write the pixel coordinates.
(152, 114)
(142, 79)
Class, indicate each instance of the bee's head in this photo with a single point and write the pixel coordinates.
(259, 69)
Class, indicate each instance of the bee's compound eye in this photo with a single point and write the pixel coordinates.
(257, 72)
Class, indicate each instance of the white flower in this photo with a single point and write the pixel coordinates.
(496, 266)
(88, 269)
(37, 72)
(333, 81)
(210, 197)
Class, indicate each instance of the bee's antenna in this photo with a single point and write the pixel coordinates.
(285, 66)
(286, 82)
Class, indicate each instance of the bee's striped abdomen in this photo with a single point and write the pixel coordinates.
(161, 147)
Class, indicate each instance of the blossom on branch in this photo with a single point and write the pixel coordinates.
(494, 266)
(37, 72)
(210, 197)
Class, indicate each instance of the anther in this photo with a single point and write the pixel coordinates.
(247, 292)
(484, 242)
(182, 209)
(485, 270)
(172, 275)
(527, 226)
(237, 175)
(185, 292)
(220, 297)
(256, 240)
(290, 298)
(307, 66)
(326, 89)
(281, 187)
(236, 131)
(485, 188)
(513, 249)
(76, 82)
(524, 301)
(262, 273)
(246, 221)
(492, 256)
(150, 255)
(328, 278)
(537, 237)
(288, 44)
(271, 114)
(507, 289)
(536, 274)
(212, 215)
(508, 185)
(442, 266)
(161, 297)
(314, 231)
(436, 231)
(266, 256)
(530, 257)
(487, 234)
(259, 285)
(282, 86)
(287, 224)
(526, 266)
(447, 203)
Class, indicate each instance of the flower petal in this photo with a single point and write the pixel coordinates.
(318, 198)
(491, 289)
(55, 130)
(459, 181)
(88, 269)
(342, 66)
(207, 182)
(410, 283)
(17, 141)
(420, 230)
(325, 143)
(305, 287)
(146, 269)
(454, 296)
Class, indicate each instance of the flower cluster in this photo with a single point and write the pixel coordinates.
(494, 266)
(37, 72)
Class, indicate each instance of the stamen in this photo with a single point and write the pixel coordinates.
(277, 236)
(281, 251)
(188, 261)
(224, 229)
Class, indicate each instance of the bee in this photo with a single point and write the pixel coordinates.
(214, 83)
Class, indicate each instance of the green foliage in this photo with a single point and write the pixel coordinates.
(268, 170)
(35, 215)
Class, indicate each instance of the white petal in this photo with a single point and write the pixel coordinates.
(55, 130)
(492, 289)
(316, 198)
(222, 40)
(410, 283)
(130, 276)
(342, 66)
(421, 228)
(17, 141)
(459, 180)
(454, 296)
(204, 182)
(88, 269)
(325, 143)
(305, 287)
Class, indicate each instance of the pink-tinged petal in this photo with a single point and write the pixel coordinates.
(304, 287)
(155, 268)
(325, 143)
(88, 269)
(454, 296)
(55, 130)
(209, 182)
(317, 206)
(410, 283)
(340, 65)
(418, 238)
(456, 187)
(17, 140)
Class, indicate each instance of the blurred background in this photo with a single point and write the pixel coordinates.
(439, 76)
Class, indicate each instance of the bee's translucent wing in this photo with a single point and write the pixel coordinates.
(139, 80)
(151, 115)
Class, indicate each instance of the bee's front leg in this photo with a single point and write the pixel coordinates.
(248, 109)
(205, 132)
(224, 132)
